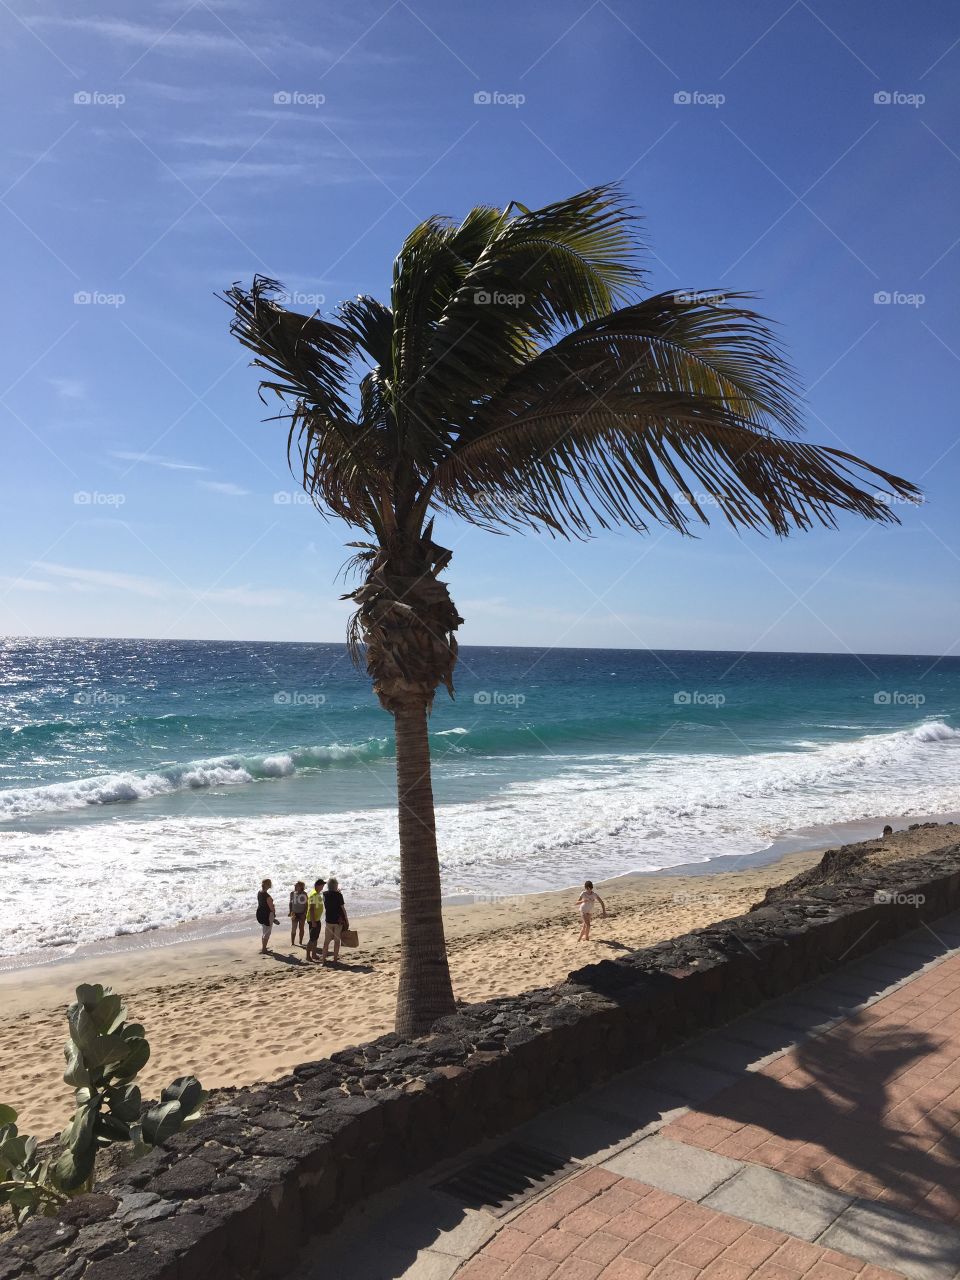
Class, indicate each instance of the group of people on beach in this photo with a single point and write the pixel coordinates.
(321, 910)
(324, 909)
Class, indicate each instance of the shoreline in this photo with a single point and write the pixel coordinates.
(153, 966)
(217, 1009)
(232, 926)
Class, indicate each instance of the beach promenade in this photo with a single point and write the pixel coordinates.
(818, 1137)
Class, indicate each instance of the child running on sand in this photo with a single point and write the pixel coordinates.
(587, 902)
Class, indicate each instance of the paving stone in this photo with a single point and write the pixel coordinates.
(429, 1221)
(431, 1266)
(578, 1131)
(379, 1259)
(883, 969)
(799, 1018)
(774, 1200)
(691, 1081)
(830, 1002)
(947, 929)
(923, 947)
(918, 1248)
(675, 1167)
(630, 1095)
(463, 1240)
(723, 1051)
(858, 991)
(757, 1031)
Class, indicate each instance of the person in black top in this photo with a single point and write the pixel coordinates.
(266, 914)
(335, 917)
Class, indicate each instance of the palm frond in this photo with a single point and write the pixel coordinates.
(672, 343)
(661, 458)
(371, 324)
(336, 462)
(539, 272)
(659, 411)
(307, 358)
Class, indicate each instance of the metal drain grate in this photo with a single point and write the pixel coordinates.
(504, 1179)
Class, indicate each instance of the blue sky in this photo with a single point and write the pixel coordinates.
(154, 154)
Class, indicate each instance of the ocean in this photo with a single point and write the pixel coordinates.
(144, 783)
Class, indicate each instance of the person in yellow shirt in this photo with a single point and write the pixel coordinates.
(314, 918)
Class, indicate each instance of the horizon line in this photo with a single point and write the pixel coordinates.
(821, 653)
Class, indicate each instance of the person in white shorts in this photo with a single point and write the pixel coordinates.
(298, 911)
(587, 902)
(335, 919)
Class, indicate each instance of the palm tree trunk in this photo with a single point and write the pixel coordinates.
(425, 992)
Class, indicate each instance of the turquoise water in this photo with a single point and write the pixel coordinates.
(164, 778)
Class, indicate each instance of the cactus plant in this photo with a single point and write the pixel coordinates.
(23, 1177)
(103, 1055)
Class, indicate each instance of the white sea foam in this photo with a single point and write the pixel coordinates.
(594, 815)
(223, 771)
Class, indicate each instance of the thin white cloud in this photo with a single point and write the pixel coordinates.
(226, 6)
(283, 114)
(308, 147)
(243, 170)
(69, 388)
(87, 579)
(154, 460)
(224, 486)
(250, 597)
(176, 92)
(181, 39)
(90, 580)
(25, 584)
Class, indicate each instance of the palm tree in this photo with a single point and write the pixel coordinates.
(519, 380)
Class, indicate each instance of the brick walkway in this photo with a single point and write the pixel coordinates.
(598, 1226)
(818, 1138)
(859, 1122)
(871, 1108)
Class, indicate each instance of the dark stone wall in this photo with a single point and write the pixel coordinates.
(266, 1168)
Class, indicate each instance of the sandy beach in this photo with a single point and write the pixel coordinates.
(219, 1010)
